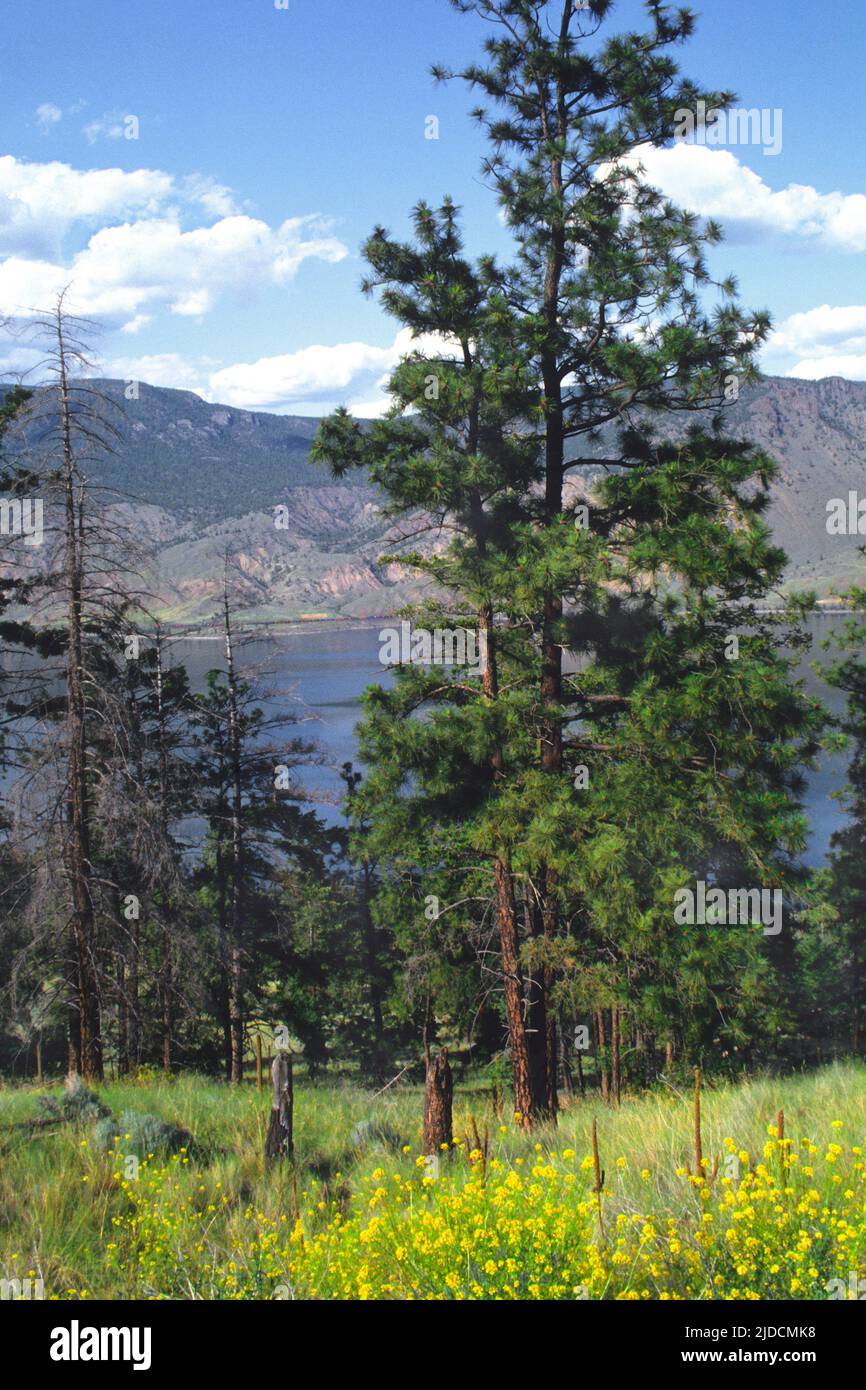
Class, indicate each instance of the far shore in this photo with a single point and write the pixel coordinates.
(289, 627)
(280, 627)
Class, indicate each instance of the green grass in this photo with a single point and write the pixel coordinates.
(60, 1203)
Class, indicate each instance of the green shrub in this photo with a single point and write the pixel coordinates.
(142, 1134)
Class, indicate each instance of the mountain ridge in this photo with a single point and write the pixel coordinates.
(199, 479)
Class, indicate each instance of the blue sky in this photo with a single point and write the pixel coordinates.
(219, 247)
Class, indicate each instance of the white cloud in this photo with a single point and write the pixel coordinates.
(148, 260)
(39, 202)
(139, 247)
(715, 184)
(19, 360)
(314, 377)
(826, 329)
(47, 115)
(303, 375)
(213, 197)
(374, 408)
(341, 371)
(110, 126)
(829, 340)
(140, 255)
(136, 323)
(165, 369)
(853, 368)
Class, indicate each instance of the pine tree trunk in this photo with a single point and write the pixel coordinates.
(236, 1016)
(222, 930)
(535, 1008)
(509, 944)
(506, 915)
(438, 1097)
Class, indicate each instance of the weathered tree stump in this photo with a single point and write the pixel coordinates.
(438, 1096)
(279, 1143)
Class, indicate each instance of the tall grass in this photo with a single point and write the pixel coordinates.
(66, 1215)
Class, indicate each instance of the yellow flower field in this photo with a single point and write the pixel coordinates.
(771, 1215)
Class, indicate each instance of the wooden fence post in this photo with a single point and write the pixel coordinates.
(280, 1143)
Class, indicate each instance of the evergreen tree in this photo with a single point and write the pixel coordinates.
(257, 832)
(539, 422)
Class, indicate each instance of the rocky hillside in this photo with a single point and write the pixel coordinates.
(816, 430)
(198, 481)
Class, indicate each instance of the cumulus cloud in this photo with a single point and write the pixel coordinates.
(165, 369)
(851, 367)
(303, 375)
(316, 377)
(715, 184)
(127, 269)
(830, 327)
(40, 202)
(141, 257)
(373, 409)
(344, 371)
(829, 340)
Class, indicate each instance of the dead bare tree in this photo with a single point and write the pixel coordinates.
(67, 425)
(236, 959)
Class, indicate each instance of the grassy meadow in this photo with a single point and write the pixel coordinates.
(510, 1215)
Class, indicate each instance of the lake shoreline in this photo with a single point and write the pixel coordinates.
(288, 627)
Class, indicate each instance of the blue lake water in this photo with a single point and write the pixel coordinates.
(318, 676)
(322, 674)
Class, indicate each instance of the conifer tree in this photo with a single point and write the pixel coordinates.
(559, 422)
(256, 827)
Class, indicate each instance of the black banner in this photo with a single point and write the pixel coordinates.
(204, 1338)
